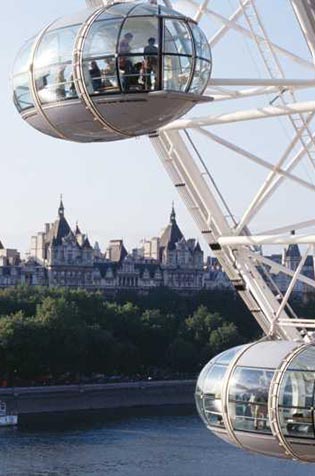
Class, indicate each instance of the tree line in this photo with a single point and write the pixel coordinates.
(55, 335)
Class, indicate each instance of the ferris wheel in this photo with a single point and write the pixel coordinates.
(238, 148)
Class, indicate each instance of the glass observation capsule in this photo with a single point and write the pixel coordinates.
(261, 397)
(111, 73)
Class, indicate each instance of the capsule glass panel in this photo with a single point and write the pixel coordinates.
(201, 77)
(138, 55)
(169, 12)
(199, 391)
(209, 388)
(119, 9)
(212, 395)
(248, 399)
(21, 79)
(296, 403)
(177, 38)
(227, 356)
(144, 9)
(102, 38)
(101, 76)
(201, 43)
(53, 72)
(176, 72)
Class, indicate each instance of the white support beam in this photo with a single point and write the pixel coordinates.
(239, 116)
(305, 12)
(203, 205)
(273, 65)
(224, 29)
(278, 268)
(201, 10)
(216, 88)
(285, 229)
(221, 94)
(280, 83)
(259, 240)
(305, 323)
(273, 181)
(291, 285)
(254, 158)
(248, 34)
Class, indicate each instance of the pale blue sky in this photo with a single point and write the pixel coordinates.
(115, 190)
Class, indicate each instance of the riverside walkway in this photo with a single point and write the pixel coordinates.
(66, 398)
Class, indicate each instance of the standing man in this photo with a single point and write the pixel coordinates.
(150, 64)
(124, 63)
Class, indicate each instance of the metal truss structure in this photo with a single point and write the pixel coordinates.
(276, 95)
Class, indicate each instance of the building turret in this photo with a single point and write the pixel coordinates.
(171, 235)
(291, 255)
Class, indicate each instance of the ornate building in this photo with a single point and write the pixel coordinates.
(62, 257)
(66, 255)
(291, 258)
(10, 272)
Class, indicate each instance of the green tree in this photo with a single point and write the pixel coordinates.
(202, 323)
(182, 355)
(224, 337)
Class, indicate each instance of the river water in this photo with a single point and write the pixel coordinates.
(144, 443)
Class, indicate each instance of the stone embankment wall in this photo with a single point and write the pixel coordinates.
(65, 398)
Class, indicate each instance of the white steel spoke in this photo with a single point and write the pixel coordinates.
(291, 286)
(254, 158)
(261, 39)
(248, 34)
(239, 116)
(221, 94)
(292, 227)
(306, 17)
(280, 83)
(274, 67)
(253, 275)
(202, 204)
(259, 240)
(226, 28)
(217, 90)
(276, 268)
(272, 182)
(201, 10)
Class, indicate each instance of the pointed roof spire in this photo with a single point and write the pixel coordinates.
(197, 246)
(77, 229)
(293, 250)
(173, 214)
(61, 209)
(1, 246)
(86, 243)
(60, 228)
(172, 234)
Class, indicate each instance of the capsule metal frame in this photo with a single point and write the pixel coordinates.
(276, 358)
(44, 115)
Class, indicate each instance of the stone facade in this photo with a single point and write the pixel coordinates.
(291, 258)
(62, 257)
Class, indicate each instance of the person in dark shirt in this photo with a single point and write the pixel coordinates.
(150, 63)
(124, 63)
(95, 74)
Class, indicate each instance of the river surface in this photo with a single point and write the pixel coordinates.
(145, 443)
